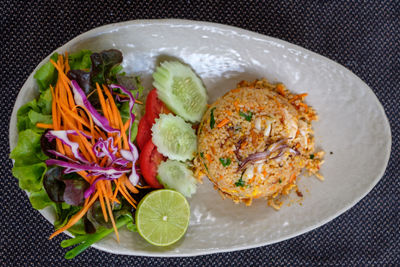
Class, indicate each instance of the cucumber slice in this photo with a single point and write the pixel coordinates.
(176, 175)
(174, 138)
(181, 90)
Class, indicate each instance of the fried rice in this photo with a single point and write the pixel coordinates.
(254, 142)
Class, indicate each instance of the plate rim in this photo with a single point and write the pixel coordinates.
(180, 22)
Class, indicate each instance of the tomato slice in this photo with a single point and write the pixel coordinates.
(149, 159)
(144, 133)
(154, 106)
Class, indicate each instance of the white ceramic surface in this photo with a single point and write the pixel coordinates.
(352, 125)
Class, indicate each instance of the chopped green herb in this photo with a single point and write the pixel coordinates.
(225, 161)
(240, 182)
(212, 120)
(247, 116)
(280, 181)
(312, 156)
(202, 154)
(205, 166)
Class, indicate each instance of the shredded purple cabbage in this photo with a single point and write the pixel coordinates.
(102, 148)
(94, 169)
(63, 136)
(81, 99)
(119, 99)
(133, 177)
(60, 155)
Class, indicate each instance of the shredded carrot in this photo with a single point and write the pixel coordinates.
(305, 106)
(67, 115)
(223, 123)
(281, 89)
(83, 174)
(124, 129)
(108, 188)
(93, 132)
(74, 219)
(109, 97)
(128, 184)
(112, 218)
(264, 172)
(236, 104)
(67, 68)
(101, 133)
(111, 119)
(292, 178)
(56, 118)
(299, 96)
(67, 93)
(213, 150)
(126, 125)
(101, 198)
(117, 117)
(142, 186)
(243, 145)
(117, 182)
(44, 125)
(209, 158)
(74, 115)
(126, 195)
(61, 73)
(102, 102)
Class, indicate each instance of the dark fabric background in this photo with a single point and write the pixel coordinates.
(364, 36)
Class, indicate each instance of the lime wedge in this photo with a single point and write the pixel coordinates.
(162, 217)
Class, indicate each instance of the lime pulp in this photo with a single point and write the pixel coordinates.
(162, 217)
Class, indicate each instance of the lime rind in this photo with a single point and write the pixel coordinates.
(162, 217)
(176, 175)
(181, 90)
(174, 138)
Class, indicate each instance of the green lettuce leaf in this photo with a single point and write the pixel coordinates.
(44, 102)
(29, 166)
(124, 111)
(40, 200)
(47, 74)
(23, 121)
(30, 176)
(35, 111)
(28, 150)
(80, 60)
(64, 213)
(36, 117)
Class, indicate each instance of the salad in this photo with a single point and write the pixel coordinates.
(105, 154)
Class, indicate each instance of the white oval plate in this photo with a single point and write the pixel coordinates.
(352, 125)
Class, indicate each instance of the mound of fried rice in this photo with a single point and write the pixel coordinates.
(254, 142)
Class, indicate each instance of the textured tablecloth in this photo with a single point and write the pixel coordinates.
(364, 36)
